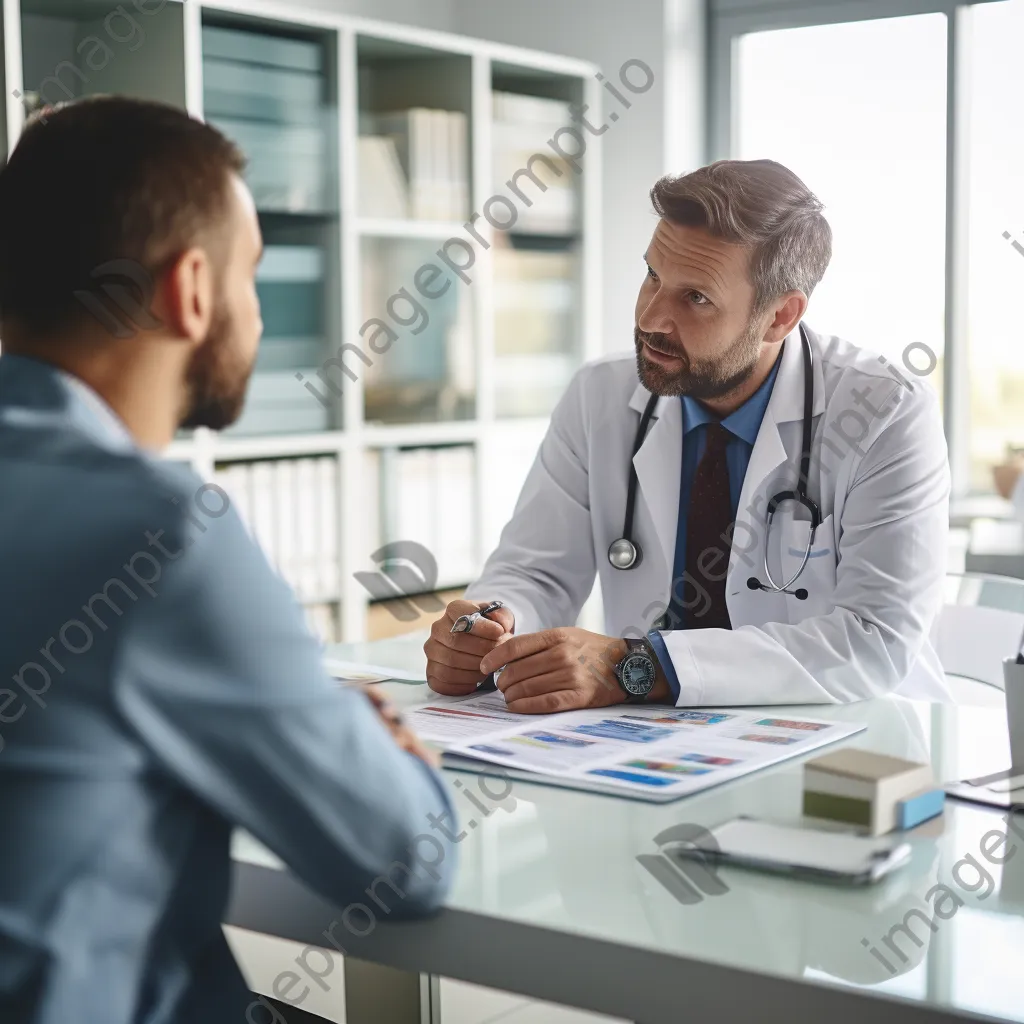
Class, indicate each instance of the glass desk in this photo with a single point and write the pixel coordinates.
(551, 902)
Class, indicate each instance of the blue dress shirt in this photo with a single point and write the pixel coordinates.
(159, 686)
(743, 424)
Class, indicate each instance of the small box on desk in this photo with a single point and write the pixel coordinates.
(875, 791)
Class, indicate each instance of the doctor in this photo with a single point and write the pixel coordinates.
(766, 509)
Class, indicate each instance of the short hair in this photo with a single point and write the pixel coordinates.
(104, 181)
(759, 204)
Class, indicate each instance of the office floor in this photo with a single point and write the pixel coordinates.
(262, 959)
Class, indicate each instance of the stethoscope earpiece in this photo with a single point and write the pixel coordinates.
(753, 583)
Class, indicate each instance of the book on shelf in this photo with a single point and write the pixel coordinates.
(383, 188)
(430, 147)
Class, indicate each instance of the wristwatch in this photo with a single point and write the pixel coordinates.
(637, 671)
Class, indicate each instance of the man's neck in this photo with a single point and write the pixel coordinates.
(729, 403)
(133, 385)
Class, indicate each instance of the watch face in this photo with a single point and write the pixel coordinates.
(636, 671)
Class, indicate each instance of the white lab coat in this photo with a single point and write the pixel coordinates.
(879, 473)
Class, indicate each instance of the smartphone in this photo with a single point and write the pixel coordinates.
(818, 854)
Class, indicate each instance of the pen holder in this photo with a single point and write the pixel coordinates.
(1013, 677)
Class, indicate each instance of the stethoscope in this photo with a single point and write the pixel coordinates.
(626, 553)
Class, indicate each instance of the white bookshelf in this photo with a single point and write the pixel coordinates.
(371, 66)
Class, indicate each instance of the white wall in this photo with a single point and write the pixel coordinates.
(664, 130)
(435, 14)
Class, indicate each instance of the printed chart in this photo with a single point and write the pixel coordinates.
(663, 750)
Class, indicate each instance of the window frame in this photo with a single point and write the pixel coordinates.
(730, 19)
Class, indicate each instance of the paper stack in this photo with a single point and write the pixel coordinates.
(875, 791)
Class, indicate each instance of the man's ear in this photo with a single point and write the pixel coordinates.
(789, 310)
(188, 295)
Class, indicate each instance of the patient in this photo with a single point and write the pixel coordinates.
(159, 684)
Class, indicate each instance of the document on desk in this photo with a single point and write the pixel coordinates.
(358, 672)
(655, 753)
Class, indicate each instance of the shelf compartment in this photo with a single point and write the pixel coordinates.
(427, 372)
(86, 48)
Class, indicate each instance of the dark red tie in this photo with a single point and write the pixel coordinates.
(709, 536)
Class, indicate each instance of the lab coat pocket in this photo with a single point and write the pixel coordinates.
(818, 577)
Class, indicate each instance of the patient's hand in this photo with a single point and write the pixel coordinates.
(400, 732)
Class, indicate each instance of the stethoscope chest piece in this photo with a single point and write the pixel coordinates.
(624, 554)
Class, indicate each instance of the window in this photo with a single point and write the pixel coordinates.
(858, 111)
(856, 97)
(995, 346)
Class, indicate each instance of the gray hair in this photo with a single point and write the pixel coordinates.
(759, 204)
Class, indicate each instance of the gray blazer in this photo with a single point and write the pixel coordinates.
(158, 686)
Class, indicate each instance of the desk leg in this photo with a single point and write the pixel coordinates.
(383, 995)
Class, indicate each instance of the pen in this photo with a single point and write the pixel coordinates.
(464, 623)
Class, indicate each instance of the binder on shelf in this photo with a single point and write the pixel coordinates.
(233, 479)
(373, 505)
(263, 509)
(308, 572)
(286, 96)
(269, 94)
(426, 496)
(330, 505)
(285, 495)
(261, 48)
(455, 469)
(287, 170)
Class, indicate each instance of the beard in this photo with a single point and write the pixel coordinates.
(217, 378)
(702, 379)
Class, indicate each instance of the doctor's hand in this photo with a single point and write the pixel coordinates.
(453, 659)
(562, 670)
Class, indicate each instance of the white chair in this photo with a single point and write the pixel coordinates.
(981, 623)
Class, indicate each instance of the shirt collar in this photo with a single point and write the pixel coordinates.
(34, 393)
(743, 422)
(109, 423)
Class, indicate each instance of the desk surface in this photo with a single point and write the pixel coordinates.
(550, 877)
